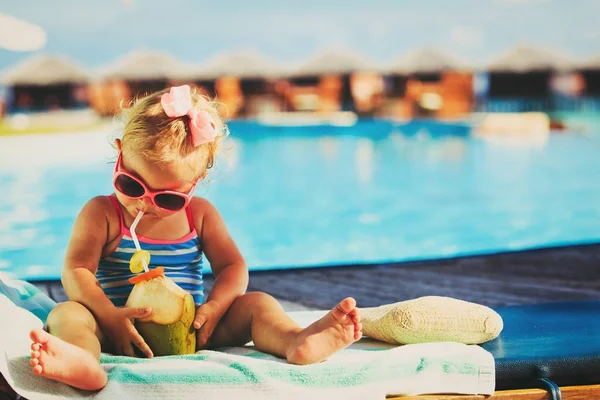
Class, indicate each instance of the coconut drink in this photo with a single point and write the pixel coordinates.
(169, 329)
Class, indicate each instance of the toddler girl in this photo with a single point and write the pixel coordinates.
(169, 143)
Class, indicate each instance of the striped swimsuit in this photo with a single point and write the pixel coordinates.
(181, 259)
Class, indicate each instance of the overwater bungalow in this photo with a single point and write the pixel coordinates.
(590, 73)
(520, 80)
(333, 81)
(45, 83)
(429, 82)
(243, 81)
(136, 74)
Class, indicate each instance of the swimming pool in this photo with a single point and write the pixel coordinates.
(326, 195)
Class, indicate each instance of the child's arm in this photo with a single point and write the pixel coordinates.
(227, 264)
(88, 238)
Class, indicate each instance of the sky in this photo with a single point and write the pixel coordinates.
(95, 33)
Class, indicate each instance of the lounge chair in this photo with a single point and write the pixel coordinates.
(544, 351)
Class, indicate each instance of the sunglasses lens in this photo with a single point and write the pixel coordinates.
(169, 201)
(128, 186)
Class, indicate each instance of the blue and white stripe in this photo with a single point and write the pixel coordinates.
(182, 262)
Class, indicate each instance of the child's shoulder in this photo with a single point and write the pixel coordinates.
(207, 219)
(99, 203)
(203, 210)
(100, 213)
(200, 206)
(99, 207)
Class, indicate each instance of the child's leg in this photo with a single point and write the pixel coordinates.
(259, 317)
(70, 353)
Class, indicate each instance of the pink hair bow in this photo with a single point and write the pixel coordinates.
(178, 102)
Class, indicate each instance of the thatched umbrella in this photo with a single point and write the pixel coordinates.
(143, 65)
(44, 70)
(426, 61)
(334, 62)
(526, 58)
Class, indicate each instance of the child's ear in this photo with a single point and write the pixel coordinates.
(118, 143)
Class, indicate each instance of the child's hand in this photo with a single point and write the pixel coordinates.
(208, 316)
(117, 324)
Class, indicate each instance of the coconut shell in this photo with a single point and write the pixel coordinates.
(168, 330)
(176, 338)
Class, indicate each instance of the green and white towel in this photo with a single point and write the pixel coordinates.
(366, 370)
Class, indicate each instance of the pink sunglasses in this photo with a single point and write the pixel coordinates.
(131, 187)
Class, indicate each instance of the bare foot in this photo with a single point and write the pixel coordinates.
(335, 331)
(64, 362)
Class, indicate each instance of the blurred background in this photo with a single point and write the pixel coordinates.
(361, 134)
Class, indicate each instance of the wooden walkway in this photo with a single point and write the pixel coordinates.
(535, 276)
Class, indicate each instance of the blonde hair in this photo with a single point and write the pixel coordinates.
(160, 139)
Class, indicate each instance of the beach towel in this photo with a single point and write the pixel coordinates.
(368, 369)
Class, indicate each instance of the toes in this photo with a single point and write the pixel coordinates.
(347, 305)
(338, 313)
(35, 354)
(36, 346)
(39, 336)
(34, 361)
(37, 369)
(357, 335)
(344, 307)
(358, 327)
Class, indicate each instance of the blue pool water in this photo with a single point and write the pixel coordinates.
(327, 195)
